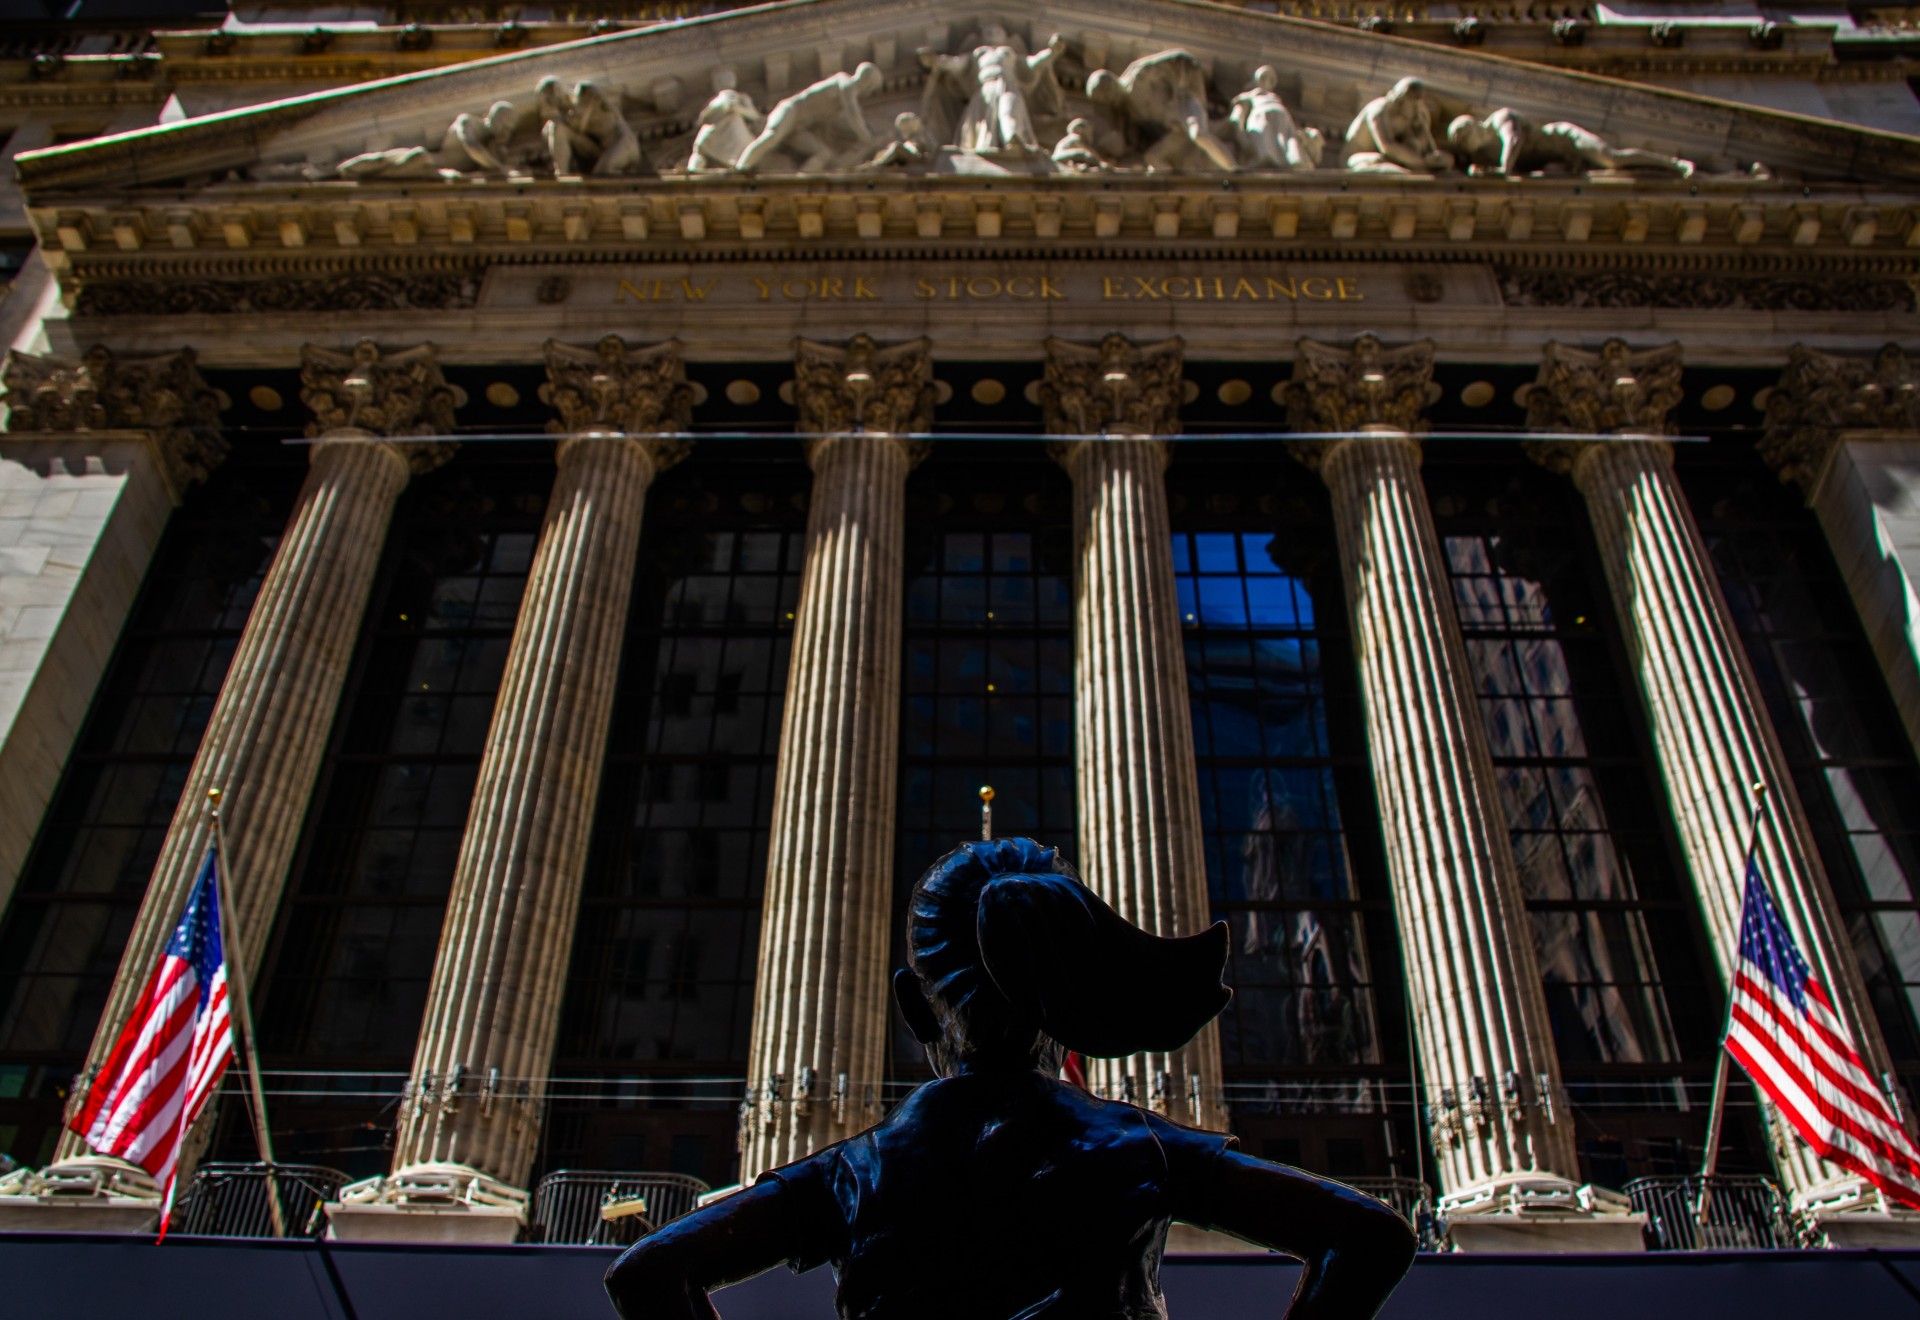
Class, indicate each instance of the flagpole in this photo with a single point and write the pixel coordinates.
(243, 1015)
(1716, 1113)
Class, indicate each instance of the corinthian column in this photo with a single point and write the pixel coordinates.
(1138, 792)
(269, 726)
(1498, 1119)
(820, 1007)
(1846, 431)
(471, 1117)
(1710, 728)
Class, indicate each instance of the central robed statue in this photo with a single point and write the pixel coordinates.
(999, 1191)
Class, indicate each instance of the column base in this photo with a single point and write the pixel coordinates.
(429, 1203)
(87, 1194)
(1852, 1215)
(1533, 1215)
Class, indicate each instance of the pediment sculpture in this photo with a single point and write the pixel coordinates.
(996, 104)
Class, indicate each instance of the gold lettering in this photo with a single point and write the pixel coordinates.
(923, 288)
(953, 287)
(1277, 287)
(987, 283)
(1306, 289)
(832, 286)
(806, 290)
(1146, 287)
(1047, 290)
(1349, 287)
(863, 289)
(1108, 291)
(1019, 286)
(698, 293)
(659, 291)
(765, 287)
(1219, 289)
(1250, 291)
(624, 291)
(1186, 287)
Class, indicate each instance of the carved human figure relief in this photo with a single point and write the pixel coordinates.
(1161, 103)
(472, 145)
(1393, 134)
(911, 146)
(824, 124)
(1075, 153)
(1509, 144)
(1264, 130)
(585, 133)
(726, 127)
(996, 86)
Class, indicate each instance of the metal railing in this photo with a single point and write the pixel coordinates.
(1412, 1198)
(1743, 1212)
(567, 1205)
(230, 1200)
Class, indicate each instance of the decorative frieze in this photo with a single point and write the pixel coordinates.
(1822, 394)
(163, 396)
(355, 291)
(1705, 290)
(1116, 388)
(615, 386)
(862, 388)
(1365, 387)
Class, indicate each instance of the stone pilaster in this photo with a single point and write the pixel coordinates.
(1846, 431)
(264, 739)
(470, 1121)
(1497, 1115)
(1138, 789)
(1710, 728)
(820, 1009)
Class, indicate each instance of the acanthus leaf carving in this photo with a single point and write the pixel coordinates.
(1612, 289)
(1822, 394)
(353, 291)
(393, 394)
(164, 396)
(1366, 386)
(863, 388)
(1115, 388)
(1615, 391)
(618, 387)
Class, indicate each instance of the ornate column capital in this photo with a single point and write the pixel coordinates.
(1822, 394)
(1615, 391)
(371, 392)
(617, 388)
(1117, 387)
(163, 396)
(1351, 390)
(860, 388)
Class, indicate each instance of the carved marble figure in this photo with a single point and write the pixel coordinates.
(1075, 152)
(1000, 1190)
(1161, 102)
(911, 145)
(996, 86)
(1265, 131)
(473, 144)
(1393, 134)
(824, 123)
(1508, 143)
(585, 133)
(728, 124)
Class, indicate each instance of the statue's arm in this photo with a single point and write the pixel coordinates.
(668, 1273)
(1355, 1248)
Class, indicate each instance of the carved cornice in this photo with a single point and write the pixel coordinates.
(163, 396)
(393, 394)
(1363, 387)
(617, 387)
(1614, 391)
(1821, 395)
(1114, 388)
(862, 388)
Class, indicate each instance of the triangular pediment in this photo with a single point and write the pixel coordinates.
(732, 72)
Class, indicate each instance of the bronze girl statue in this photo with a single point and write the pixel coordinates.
(998, 1191)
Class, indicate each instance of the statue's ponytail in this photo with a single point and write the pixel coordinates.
(1009, 918)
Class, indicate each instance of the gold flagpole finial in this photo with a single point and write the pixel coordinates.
(986, 813)
(213, 801)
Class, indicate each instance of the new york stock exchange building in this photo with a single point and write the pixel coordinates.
(594, 503)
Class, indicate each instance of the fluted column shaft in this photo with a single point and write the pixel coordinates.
(1137, 787)
(820, 1007)
(1486, 1053)
(1712, 735)
(269, 727)
(493, 1009)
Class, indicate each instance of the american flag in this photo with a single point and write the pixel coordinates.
(1784, 1032)
(171, 1055)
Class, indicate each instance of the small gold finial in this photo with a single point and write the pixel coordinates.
(213, 796)
(1759, 787)
(986, 793)
(986, 813)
